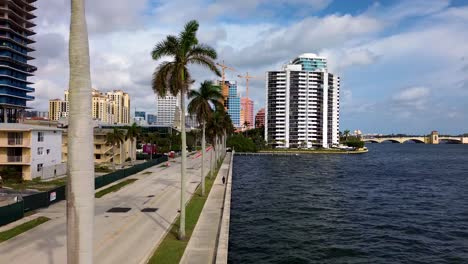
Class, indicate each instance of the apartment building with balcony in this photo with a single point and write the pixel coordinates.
(302, 104)
(15, 45)
(103, 153)
(32, 151)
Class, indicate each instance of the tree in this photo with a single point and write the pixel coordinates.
(346, 134)
(201, 105)
(173, 77)
(214, 128)
(115, 138)
(133, 132)
(80, 185)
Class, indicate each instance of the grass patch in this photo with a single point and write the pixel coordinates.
(5, 235)
(114, 188)
(104, 169)
(36, 184)
(172, 249)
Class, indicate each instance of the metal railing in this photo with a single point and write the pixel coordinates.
(15, 141)
(15, 158)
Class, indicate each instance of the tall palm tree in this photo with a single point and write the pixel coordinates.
(80, 185)
(115, 138)
(215, 129)
(173, 77)
(133, 132)
(201, 105)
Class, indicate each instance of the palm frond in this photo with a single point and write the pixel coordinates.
(204, 61)
(202, 50)
(167, 47)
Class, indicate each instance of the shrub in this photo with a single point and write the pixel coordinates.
(241, 144)
(355, 143)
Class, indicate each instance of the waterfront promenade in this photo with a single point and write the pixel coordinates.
(204, 243)
(121, 237)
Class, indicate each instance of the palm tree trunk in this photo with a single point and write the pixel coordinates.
(203, 161)
(183, 168)
(113, 157)
(211, 162)
(80, 185)
(131, 152)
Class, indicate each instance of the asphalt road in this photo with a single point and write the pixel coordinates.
(126, 237)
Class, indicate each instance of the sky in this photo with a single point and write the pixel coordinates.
(403, 64)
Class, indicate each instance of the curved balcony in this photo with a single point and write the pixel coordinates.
(24, 45)
(29, 68)
(27, 38)
(20, 10)
(13, 16)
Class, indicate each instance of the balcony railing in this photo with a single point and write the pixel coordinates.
(15, 159)
(15, 141)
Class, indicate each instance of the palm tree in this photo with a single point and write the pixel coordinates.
(346, 134)
(133, 132)
(80, 185)
(215, 127)
(201, 105)
(115, 138)
(173, 77)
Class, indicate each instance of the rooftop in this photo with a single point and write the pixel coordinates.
(26, 127)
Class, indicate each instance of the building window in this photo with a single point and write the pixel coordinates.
(39, 167)
(40, 136)
(98, 156)
(40, 151)
(98, 146)
(48, 151)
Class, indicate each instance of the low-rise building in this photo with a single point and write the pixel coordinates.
(103, 153)
(31, 151)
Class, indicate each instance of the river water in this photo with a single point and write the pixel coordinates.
(399, 203)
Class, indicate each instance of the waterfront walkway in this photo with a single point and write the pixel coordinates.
(202, 247)
(119, 237)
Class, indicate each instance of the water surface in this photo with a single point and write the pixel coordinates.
(399, 203)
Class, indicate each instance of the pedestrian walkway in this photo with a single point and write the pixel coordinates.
(203, 242)
(143, 212)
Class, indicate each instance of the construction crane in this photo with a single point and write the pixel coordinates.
(223, 77)
(247, 77)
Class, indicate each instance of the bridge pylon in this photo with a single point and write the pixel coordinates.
(434, 138)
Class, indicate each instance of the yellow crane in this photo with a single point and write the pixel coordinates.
(223, 66)
(247, 77)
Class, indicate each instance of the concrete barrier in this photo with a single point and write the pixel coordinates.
(223, 238)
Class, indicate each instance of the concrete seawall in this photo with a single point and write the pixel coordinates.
(209, 241)
(223, 238)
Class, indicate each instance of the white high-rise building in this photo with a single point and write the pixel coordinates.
(166, 109)
(302, 104)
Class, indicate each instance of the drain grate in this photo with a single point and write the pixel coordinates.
(119, 210)
(149, 210)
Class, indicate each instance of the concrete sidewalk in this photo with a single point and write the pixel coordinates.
(119, 237)
(203, 243)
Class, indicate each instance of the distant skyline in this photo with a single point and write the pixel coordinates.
(403, 64)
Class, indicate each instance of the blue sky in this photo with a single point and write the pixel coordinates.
(403, 64)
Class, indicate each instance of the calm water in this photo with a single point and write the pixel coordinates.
(399, 203)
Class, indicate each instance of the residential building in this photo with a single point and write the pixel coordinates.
(120, 106)
(247, 113)
(302, 104)
(152, 119)
(103, 153)
(57, 109)
(260, 118)
(36, 114)
(16, 36)
(166, 109)
(233, 104)
(32, 151)
(191, 121)
(140, 114)
(140, 121)
(109, 107)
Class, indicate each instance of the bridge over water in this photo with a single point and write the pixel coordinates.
(433, 138)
